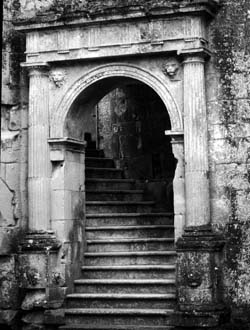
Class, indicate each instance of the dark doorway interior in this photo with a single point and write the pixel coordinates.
(127, 120)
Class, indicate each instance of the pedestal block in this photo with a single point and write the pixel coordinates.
(38, 259)
(199, 282)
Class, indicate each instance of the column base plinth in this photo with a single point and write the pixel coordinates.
(199, 279)
(210, 320)
(200, 238)
(42, 275)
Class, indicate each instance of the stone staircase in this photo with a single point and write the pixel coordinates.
(128, 277)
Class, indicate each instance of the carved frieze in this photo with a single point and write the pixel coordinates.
(111, 35)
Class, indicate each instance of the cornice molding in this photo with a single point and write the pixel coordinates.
(95, 12)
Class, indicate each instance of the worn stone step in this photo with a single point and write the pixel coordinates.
(121, 300)
(118, 206)
(130, 272)
(99, 162)
(106, 173)
(107, 244)
(114, 327)
(98, 184)
(118, 316)
(164, 231)
(129, 258)
(130, 219)
(114, 195)
(117, 286)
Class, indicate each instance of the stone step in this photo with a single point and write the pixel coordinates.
(97, 184)
(128, 327)
(130, 272)
(130, 219)
(108, 327)
(127, 286)
(118, 316)
(99, 162)
(121, 300)
(129, 258)
(106, 173)
(118, 206)
(107, 244)
(164, 231)
(114, 195)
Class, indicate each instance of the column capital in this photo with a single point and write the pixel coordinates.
(195, 55)
(67, 143)
(60, 146)
(176, 136)
(36, 68)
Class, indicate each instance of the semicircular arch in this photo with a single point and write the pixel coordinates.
(110, 71)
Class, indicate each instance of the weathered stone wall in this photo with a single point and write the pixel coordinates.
(13, 125)
(13, 165)
(228, 91)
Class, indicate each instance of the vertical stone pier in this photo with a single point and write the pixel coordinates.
(39, 236)
(38, 250)
(199, 249)
(177, 142)
(196, 150)
(39, 158)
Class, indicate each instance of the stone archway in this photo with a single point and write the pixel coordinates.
(122, 70)
(115, 70)
(181, 32)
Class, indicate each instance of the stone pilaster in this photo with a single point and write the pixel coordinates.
(39, 166)
(196, 149)
(200, 300)
(38, 250)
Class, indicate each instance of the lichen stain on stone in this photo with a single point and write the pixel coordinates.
(8, 283)
(232, 61)
(237, 264)
(243, 290)
(231, 193)
(230, 40)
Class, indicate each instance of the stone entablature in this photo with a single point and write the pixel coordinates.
(84, 38)
(115, 39)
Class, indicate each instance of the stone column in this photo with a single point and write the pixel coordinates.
(198, 276)
(39, 248)
(196, 149)
(39, 166)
